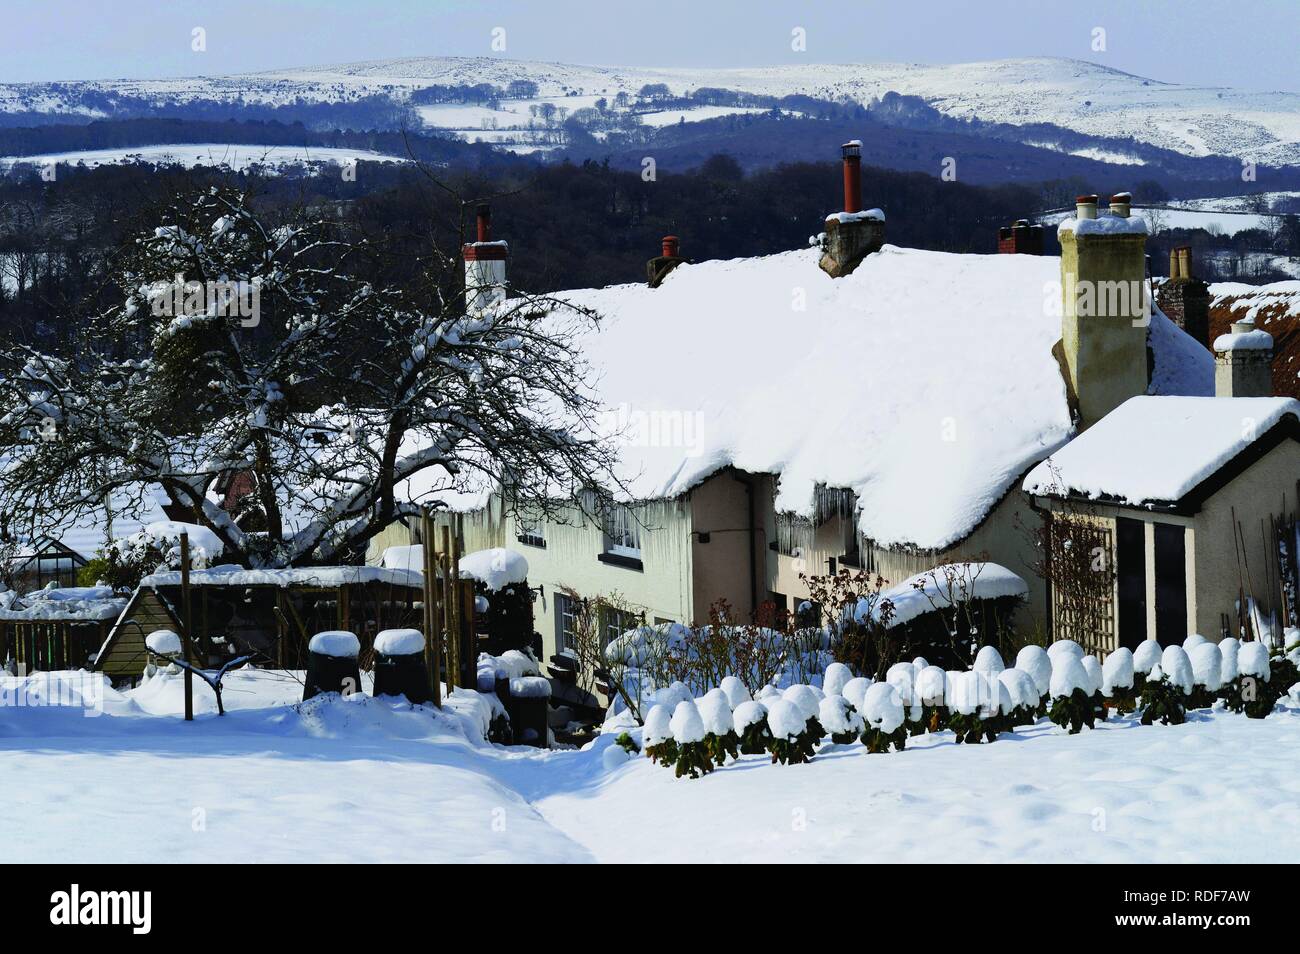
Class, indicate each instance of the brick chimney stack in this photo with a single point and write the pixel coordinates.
(853, 234)
(1020, 238)
(485, 265)
(1185, 299)
(657, 269)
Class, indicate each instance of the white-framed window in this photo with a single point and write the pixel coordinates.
(530, 531)
(566, 621)
(622, 532)
(618, 622)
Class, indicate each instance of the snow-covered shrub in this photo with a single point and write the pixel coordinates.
(1071, 691)
(975, 706)
(1022, 694)
(1117, 679)
(1228, 649)
(1163, 699)
(1035, 661)
(1261, 681)
(791, 742)
(657, 736)
(902, 676)
(719, 733)
(1177, 668)
(1145, 658)
(834, 679)
(735, 690)
(808, 700)
(838, 717)
(1207, 673)
(1192, 641)
(1093, 668)
(931, 689)
(884, 716)
(693, 757)
(749, 721)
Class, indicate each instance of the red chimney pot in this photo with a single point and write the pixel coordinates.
(852, 153)
(671, 246)
(484, 217)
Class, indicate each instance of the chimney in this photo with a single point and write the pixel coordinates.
(657, 269)
(1185, 299)
(851, 152)
(853, 234)
(485, 265)
(1020, 238)
(1105, 309)
(1243, 362)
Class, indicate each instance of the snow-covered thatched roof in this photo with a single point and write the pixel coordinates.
(924, 381)
(1156, 450)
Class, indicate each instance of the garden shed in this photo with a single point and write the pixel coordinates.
(56, 628)
(269, 612)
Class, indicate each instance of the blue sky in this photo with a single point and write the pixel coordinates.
(1249, 44)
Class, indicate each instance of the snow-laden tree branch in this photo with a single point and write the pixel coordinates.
(252, 349)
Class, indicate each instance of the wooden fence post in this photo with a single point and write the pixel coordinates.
(432, 650)
(185, 641)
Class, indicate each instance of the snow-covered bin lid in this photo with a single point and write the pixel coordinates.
(163, 642)
(495, 568)
(335, 642)
(530, 687)
(400, 642)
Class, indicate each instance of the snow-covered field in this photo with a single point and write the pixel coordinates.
(372, 780)
(237, 157)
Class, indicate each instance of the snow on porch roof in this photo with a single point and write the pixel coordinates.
(924, 381)
(1155, 450)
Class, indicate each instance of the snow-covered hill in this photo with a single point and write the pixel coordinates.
(1086, 97)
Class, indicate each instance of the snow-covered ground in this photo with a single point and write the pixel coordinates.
(372, 780)
(1083, 96)
(237, 157)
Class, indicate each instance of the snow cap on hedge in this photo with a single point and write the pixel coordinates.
(930, 685)
(785, 720)
(769, 691)
(687, 725)
(838, 716)
(1093, 669)
(1228, 649)
(804, 698)
(1068, 675)
(1192, 640)
(902, 676)
(883, 708)
(1005, 703)
(855, 690)
(658, 726)
(1117, 671)
(965, 693)
(1064, 647)
(988, 659)
(1207, 665)
(748, 713)
(919, 663)
(1146, 656)
(835, 677)
(1035, 661)
(1252, 660)
(715, 710)
(735, 690)
(1020, 687)
(1177, 668)
(675, 693)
